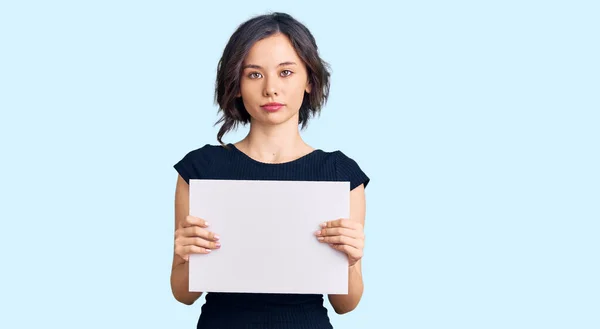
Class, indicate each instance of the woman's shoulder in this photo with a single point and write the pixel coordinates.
(339, 156)
(195, 162)
(205, 150)
(347, 168)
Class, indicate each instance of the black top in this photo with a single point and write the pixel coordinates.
(265, 311)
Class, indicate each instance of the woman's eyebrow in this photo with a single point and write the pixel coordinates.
(254, 66)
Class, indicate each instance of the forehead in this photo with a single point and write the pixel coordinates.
(271, 51)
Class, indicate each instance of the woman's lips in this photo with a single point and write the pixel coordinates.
(272, 107)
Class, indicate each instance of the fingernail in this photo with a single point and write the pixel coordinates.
(320, 238)
(318, 232)
(323, 224)
(217, 237)
(206, 223)
(218, 244)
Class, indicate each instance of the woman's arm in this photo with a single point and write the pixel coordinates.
(346, 303)
(180, 270)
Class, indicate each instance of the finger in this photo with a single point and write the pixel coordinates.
(195, 241)
(352, 252)
(195, 231)
(342, 240)
(340, 231)
(187, 250)
(194, 221)
(341, 222)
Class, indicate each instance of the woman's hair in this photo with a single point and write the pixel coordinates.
(229, 68)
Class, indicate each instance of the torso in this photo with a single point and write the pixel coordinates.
(224, 310)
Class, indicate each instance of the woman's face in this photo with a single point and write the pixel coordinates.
(273, 81)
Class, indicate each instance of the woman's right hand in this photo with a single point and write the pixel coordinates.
(192, 237)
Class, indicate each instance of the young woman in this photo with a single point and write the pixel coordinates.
(271, 77)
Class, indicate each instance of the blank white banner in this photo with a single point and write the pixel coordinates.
(266, 230)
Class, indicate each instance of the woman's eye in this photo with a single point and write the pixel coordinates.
(285, 73)
(254, 75)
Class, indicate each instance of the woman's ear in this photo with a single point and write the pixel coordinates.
(308, 87)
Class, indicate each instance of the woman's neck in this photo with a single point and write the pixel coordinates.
(273, 144)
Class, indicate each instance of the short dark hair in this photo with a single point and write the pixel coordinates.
(229, 68)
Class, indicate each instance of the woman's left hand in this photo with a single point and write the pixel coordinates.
(344, 235)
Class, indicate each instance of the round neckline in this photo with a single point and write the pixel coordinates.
(247, 157)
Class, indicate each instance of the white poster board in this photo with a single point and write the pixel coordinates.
(266, 230)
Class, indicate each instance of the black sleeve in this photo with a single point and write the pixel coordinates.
(188, 166)
(349, 171)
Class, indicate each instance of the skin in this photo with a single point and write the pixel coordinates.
(273, 72)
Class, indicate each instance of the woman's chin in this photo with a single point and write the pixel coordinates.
(274, 118)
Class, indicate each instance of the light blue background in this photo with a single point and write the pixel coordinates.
(477, 121)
